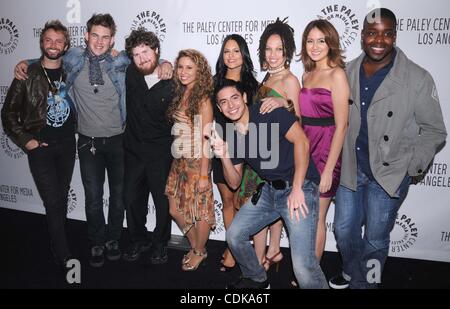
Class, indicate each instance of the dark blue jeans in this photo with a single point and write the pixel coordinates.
(272, 205)
(369, 206)
(109, 157)
(52, 169)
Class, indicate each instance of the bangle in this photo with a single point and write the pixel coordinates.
(204, 177)
(290, 105)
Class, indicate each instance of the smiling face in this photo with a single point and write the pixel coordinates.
(99, 40)
(186, 71)
(378, 40)
(316, 46)
(274, 51)
(145, 58)
(53, 44)
(232, 56)
(232, 103)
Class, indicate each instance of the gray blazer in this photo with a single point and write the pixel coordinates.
(405, 124)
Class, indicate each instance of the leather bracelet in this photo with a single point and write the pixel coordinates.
(204, 177)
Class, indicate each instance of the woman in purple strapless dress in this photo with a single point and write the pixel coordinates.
(323, 108)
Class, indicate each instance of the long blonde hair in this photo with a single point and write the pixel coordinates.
(203, 87)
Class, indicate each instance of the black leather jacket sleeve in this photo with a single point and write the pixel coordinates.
(12, 118)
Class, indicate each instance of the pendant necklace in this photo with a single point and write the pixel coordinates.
(53, 88)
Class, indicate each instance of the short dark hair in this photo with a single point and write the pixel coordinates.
(286, 34)
(57, 26)
(380, 13)
(141, 36)
(224, 83)
(104, 20)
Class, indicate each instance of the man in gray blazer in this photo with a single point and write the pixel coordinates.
(395, 129)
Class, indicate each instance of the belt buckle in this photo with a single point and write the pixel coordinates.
(279, 184)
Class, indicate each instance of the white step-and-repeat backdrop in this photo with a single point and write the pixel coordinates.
(422, 229)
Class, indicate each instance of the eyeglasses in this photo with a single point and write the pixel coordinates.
(257, 194)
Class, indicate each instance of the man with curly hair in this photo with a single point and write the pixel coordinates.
(147, 142)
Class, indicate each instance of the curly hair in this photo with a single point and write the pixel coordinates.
(202, 89)
(247, 76)
(141, 36)
(286, 33)
(335, 57)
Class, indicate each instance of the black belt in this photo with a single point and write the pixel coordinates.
(104, 138)
(318, 122)
(279, 184)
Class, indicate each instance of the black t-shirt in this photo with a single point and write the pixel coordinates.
(265, 147)
(60, 116)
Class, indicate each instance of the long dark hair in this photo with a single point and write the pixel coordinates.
(248, 80)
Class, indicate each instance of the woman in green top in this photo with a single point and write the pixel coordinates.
(276, 50)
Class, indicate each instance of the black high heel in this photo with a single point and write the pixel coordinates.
(224, 268)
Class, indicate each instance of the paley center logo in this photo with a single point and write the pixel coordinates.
(151, 21)
(345, 20)
(404, 234)
(9, 36)
(11, 149)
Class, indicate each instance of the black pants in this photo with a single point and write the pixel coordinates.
(141, 178)
(52, 169)
(108, 158)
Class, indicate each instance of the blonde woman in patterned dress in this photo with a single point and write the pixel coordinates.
(189, 186)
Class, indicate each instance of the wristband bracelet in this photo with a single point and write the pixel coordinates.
(204, 177)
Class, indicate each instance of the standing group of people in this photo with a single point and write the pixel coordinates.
(283, 148)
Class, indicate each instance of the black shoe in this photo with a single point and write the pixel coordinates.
(97, 258)
(339, 282)
(246, 283)
(158, 254)
(113, 252)
(133, 252)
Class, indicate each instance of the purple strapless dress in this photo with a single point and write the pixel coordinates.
(317, 103)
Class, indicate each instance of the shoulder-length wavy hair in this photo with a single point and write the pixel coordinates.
(286, 33)
(335, 54)
(203, 87)
(247, 76)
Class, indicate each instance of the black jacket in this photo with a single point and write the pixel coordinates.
(24, 112)
(148, 131)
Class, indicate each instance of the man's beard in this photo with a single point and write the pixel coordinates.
(147, 70)
(53, 57)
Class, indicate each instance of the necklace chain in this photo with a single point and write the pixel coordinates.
(53, 87)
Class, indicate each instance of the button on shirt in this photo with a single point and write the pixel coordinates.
(367, 89)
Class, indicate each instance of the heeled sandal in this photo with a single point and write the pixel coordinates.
(225, 268)
(189, 267)
(268, 262)
(187, 256)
